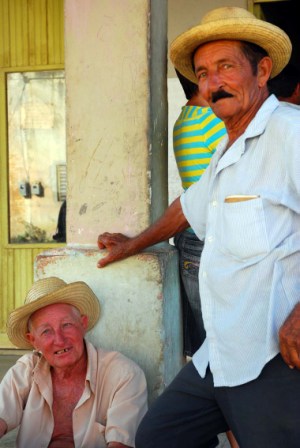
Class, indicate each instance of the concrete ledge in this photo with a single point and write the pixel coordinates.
(140, 305)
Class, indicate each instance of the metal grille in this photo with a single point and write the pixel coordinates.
(61, 175)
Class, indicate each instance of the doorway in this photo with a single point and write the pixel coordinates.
(284, 14)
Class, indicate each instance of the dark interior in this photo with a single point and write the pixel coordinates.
(286, 16)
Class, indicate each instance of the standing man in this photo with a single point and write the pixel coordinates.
(246, 373)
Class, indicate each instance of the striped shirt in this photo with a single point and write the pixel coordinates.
(249, 272)
(196, 133)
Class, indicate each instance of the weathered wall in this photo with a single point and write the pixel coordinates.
(106, 58)
(140, 306)
(111, 163)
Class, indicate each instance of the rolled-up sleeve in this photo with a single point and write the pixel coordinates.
(113, 403)
(128, 404)
(14, 390)
(194, 203)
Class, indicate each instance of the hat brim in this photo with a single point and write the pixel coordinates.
(268, 36)
(77, 294)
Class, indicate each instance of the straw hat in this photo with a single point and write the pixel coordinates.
(48, 291)
(234, 24)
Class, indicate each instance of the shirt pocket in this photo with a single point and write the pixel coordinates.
(243, 230)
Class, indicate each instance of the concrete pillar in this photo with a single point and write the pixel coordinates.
(140, 307)
(117, 177)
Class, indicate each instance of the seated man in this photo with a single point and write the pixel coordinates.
(67, 393)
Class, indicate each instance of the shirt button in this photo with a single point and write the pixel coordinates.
(204, 274)
(210, 239)
(214, 203)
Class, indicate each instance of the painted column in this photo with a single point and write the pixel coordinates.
(117, 177)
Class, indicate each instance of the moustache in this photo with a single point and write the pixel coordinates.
(216, 96)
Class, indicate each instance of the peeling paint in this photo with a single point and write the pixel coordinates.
(83, 209)
(131, 293)
(43, 262)
(98, 206)
(109, 157)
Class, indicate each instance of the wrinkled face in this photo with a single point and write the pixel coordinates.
(226, 79)
(57, 331)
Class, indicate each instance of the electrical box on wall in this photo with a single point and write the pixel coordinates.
(37, 189)
(24, 189)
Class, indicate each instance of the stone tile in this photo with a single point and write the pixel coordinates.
(9, 440)
(223, 441)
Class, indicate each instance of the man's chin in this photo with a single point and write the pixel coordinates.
(221, 110)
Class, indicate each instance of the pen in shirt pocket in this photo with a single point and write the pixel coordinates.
(240, 197)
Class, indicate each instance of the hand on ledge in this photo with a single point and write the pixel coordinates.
(117, 245)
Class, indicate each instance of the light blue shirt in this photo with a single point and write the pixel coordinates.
(249, 272)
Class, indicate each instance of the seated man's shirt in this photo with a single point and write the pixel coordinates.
(110, 409)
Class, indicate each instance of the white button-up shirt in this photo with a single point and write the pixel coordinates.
(249, 272)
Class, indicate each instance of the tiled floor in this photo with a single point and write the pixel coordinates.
(223, 441)
(8, 441)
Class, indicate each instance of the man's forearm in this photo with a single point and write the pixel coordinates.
(168, 225)
(120, 247)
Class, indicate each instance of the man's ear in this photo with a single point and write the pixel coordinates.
(84, 321)
(30, 338)
(264, 70)
(296, 94)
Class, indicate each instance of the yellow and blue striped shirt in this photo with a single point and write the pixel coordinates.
(196, 133)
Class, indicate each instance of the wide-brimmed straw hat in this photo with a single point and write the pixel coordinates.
(48, 291)
(231, 23)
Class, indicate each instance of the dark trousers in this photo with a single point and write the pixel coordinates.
(191, 412)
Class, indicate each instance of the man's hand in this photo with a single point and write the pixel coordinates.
(289, 339)
(120, 246)
(117, 246)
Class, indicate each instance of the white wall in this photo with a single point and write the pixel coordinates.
(107, 82)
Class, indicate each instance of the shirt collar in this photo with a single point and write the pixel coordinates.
(259, 122)
(91, 373)
(42, 368)
(255, 128)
